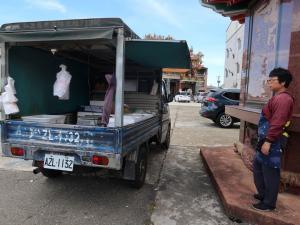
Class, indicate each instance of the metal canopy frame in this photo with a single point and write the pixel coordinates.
(21, 33)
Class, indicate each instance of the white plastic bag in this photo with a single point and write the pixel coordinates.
(10, 108)
(61, 86)
(10, 87)
(7, 97)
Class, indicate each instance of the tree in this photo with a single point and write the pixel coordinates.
(158, 37)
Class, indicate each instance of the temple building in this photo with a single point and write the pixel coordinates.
(194, 79)
(271, 39)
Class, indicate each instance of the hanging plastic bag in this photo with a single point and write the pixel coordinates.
(10, 87)
(62, 83)
(66, 96)
(8, 97)
(10, 108)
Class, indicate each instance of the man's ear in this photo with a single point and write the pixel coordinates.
(282, 83)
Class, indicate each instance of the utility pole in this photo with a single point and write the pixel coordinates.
(218, 81)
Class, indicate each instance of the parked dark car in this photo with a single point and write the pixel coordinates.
(214, 106)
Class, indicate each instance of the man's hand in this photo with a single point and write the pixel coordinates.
(265, 148)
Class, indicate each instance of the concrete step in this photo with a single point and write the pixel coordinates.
(234, 183)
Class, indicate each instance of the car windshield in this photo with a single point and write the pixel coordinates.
(183, 93)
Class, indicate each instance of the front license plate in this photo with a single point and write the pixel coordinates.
(59, 162)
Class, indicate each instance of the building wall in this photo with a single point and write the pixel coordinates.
(276, 43)
(233, 55)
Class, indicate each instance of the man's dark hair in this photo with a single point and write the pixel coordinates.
(283, 75)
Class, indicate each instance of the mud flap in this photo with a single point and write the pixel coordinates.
(129, 168)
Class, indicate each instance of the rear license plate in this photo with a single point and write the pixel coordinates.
(59, 162)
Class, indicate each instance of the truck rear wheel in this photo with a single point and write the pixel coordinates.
(140, 168)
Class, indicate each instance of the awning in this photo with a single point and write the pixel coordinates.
(149, 53)
(173, 70)
(159, 53)
(235, 9)
(62, 30)
(61, 35)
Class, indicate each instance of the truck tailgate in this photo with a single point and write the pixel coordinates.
(80, 137)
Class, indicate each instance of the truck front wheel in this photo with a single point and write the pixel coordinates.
(140, 168)
(166, 143)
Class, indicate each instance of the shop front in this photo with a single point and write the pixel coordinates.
(272, 39)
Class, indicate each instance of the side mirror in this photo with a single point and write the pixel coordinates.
(170, 98)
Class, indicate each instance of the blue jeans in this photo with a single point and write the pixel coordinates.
(266, 180)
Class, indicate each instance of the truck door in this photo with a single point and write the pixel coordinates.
(165, 112)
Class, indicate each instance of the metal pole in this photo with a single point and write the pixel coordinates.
(3, 73)
(120, 56)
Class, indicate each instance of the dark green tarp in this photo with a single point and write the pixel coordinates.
(149, 53)
(60, 35)
(78, 29)
(159, 54)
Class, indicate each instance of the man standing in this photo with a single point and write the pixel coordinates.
(274, 116)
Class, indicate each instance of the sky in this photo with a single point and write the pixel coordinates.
(202, 28)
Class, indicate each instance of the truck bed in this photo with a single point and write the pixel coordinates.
(81, 141)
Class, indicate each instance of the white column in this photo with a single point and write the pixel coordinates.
(120, 58)
(3, 57)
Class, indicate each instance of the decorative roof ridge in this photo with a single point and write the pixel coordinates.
(235, 9)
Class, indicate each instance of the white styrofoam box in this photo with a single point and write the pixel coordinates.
(98, 103)
(82, 114)
(43, 118)
(130, 118)
(86, 122)
(93, 108)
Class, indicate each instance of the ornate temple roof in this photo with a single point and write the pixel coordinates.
(235, 9)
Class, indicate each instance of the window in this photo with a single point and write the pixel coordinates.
(239, 43)
(237, 67)
(226, 73)
(265, 19)
(211, 93)
(164, 92)
(227, 53)
(233, 56)
(232, 95)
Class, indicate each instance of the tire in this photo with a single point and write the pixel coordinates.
(225, 120)
(50, 173)
(166, 143)
(140, 168)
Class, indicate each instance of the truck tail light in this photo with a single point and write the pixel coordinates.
(100, 160)
(17, 151)
(210, 99)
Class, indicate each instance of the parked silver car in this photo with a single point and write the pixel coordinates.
(200, 97)
(182, 96)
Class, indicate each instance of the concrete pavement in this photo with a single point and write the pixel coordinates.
(185, 194)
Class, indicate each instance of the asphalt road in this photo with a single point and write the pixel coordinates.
(90, 199)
